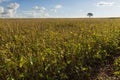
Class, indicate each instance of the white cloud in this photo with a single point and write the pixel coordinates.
(58, 6)
(46, 15)
(10, 10)
(1, 9)
(39, 12)
(36, 12)
(102, 3)
(41, 9)
(53, 10)
(13, 6)
(28, 12)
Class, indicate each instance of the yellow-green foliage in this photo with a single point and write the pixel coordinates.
(56, 49)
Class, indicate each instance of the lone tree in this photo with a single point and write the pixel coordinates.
(89, 14)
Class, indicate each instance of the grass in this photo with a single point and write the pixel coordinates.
(58, 49)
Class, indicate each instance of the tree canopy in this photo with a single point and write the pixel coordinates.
(89, 14)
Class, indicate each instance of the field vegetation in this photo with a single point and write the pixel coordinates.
(59, 49)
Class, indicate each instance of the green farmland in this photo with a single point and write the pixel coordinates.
(60, 49)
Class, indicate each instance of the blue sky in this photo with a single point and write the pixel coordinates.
(58, 8)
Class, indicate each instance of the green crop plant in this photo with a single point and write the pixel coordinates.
(57, 49)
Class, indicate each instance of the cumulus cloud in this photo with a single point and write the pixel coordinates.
(37, 12)
(10, 10)
(56, 8)
(41, 9)
(1, 9)
(13, 6)
(102, 3)
(41, 12)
